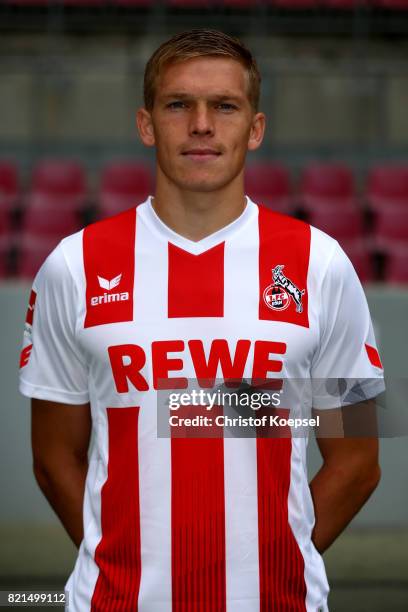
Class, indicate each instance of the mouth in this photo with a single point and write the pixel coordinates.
(201, 154)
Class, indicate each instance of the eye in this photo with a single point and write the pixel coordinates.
(176, 104)
(227, 106)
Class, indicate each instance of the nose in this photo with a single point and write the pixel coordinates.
(201, 123)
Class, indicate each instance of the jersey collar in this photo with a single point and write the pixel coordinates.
(164, 232)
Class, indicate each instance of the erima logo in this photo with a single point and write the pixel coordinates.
(108, 285)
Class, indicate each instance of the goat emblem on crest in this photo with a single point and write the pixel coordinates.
(277, 295)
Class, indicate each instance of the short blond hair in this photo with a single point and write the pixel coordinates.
(200, 43)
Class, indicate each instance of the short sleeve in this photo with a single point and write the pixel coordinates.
(51, 364)
(346, 367)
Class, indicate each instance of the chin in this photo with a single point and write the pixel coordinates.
(204, 185)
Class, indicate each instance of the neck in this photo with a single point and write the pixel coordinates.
(196, 215)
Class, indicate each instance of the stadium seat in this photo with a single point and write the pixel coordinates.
(387, 187)
(345, 223)
(397, 265)
(345, 4)
(5, 224)
(245, 4)
(74, 3)
(4, 256)
(391, 4)
(85, 3)
(124, 184)
(391, 228)
(191, 3)
(57, 184)
(295, 4)
(133, 3)
(32, 251)
(49, 222)
(269, 184)
(326, 185)
(58, 177)
(9, 185)
(360, 257)
(33, 3)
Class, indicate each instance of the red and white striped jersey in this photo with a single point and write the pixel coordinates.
(216, 524)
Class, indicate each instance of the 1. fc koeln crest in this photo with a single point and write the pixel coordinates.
(277, 296)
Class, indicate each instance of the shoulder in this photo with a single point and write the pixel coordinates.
(299, 234)
(328, 264)
(325, 251)
(57, 271)
(112, 229)
(279, 223)
(67, 259)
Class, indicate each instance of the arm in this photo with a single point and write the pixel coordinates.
(60, 436)
(349, 474)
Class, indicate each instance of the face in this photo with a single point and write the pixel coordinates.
(202, 123)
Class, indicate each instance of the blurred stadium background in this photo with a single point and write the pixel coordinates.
(335, 90)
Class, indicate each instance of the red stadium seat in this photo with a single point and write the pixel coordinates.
(58, 177)
(4, 255)
(85, 3)
(269, 184)
(295, 4)
(32, 253)
(79, 3)
(345, 223)
(5, 224)
(50, 221)
(52, 204)
(360, 257)
(9, 185)
(391, 228)
(397, 265)
(42, 3)
(327, 185)
(32, 2)
(191, 3)
(345, 4)
(57, 185)
(391, 4)
(237, 4)
(387, 187)
(133, 3)
(123, 185)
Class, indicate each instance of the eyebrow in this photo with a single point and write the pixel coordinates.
(217, 97)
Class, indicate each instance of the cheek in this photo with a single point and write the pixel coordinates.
(236, 133)
(167, 133)
(240, 143)
(169, 143)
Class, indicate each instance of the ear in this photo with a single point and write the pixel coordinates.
(145, 127)
(257, 131)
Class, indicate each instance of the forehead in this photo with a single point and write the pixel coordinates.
(203, 76)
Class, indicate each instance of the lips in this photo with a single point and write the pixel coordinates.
(201, 154)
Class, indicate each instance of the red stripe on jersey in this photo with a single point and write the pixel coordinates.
(109, 254)
(31, 306)
(373, 356)
(196, 283)
(118, 553)
(198, 525)
(281, 566)
(25, 355)
(284, 242)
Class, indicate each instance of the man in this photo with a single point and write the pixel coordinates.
(198, 282)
